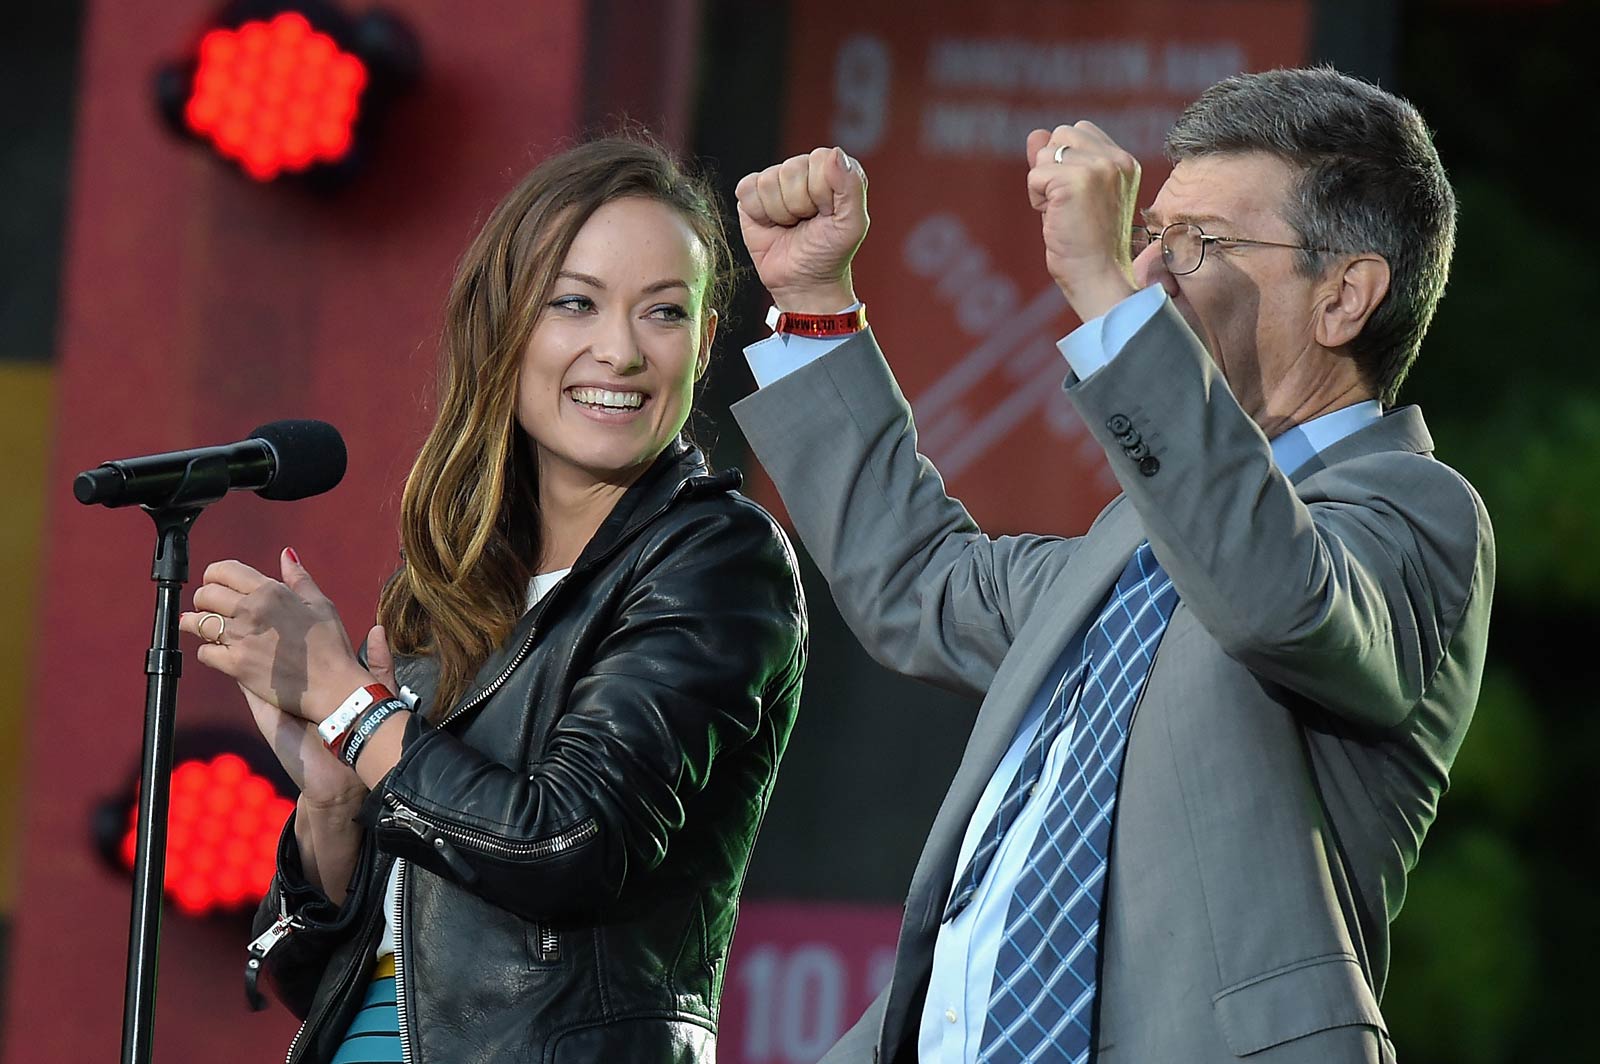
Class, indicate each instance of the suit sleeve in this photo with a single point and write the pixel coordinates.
(923, 589)
(1350, 596)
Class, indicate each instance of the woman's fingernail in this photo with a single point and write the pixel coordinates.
(292, 555)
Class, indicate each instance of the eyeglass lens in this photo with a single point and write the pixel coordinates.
(1181, 246)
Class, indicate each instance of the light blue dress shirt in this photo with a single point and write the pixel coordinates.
(966, 948)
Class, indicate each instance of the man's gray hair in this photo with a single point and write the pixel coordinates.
(1370, 181)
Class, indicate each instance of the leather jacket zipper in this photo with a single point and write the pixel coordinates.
(439, 835)
(484, 693)
(549, 944)
(412, 821)
(402, 1016)
(295, 1044)
(263, 944)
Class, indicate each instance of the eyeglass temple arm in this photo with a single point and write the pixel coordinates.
(1207, 238)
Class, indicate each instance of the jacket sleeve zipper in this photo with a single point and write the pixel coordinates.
(263, 944)
(409, 819)
(440, 835)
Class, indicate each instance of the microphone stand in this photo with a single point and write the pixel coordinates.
(205, 480)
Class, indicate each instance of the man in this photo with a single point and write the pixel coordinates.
(1215, 728)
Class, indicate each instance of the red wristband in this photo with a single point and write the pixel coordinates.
(821, 326)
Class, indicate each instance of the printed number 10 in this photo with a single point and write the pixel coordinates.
(796, 1001)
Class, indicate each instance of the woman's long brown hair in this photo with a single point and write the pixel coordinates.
(469, 518)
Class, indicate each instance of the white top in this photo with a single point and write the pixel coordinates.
(538, 587)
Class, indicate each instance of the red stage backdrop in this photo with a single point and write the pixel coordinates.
(937, 101)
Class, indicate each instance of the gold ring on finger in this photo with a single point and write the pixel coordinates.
(200, 627)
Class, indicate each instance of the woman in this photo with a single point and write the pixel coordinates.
(606, 645)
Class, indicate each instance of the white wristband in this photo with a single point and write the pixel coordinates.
(335, 724)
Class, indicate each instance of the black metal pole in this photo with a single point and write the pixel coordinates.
(163, 666)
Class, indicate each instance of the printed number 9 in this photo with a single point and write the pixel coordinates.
(861, 93)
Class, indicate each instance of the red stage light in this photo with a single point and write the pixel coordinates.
(276, 95)
(222, 834)
(288, 88)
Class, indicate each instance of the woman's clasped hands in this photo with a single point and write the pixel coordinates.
(282, 641)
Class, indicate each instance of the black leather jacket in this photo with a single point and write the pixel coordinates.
(574, 833)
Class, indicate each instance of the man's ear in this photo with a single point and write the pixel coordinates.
(1354, 292)
(708, 333)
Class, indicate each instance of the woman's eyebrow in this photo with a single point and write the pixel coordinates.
(650, 289)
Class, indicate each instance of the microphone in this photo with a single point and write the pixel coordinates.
(284, 460)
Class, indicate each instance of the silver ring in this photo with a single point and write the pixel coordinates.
(200, 627)
(1061, 149)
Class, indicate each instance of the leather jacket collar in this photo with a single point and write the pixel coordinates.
(681, 467)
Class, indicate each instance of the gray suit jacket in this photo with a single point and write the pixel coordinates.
(1303, 710)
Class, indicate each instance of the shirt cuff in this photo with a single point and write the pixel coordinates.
(781, 354)
(1097, 341)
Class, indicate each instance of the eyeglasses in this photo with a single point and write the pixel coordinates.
(1183, 245)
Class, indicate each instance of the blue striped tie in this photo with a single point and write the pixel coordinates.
(1041, 1005)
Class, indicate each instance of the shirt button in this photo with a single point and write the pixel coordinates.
(1033, 789)
(950, 1014)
